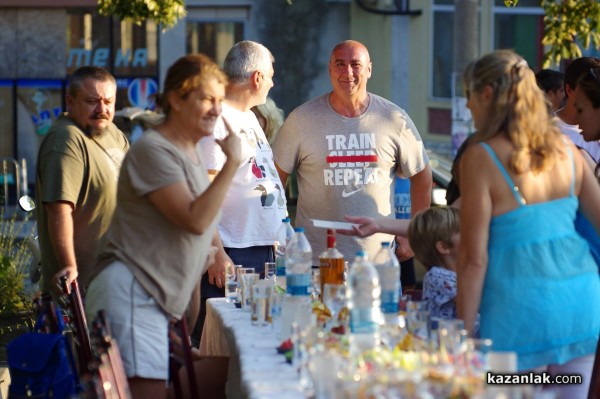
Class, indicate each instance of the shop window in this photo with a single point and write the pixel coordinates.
(135, 49)
(127, 50)
(88, 41)
(39, 104)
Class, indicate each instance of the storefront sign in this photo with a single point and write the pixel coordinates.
(101, 56)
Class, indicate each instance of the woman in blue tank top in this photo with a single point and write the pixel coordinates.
(521, 263)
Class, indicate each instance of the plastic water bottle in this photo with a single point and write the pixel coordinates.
(364, 301)
(298, 264)
(388, 268)
(284, 235)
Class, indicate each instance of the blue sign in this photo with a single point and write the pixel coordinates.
(402, 198)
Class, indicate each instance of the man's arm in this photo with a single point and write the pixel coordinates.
(60, 231)
(283, 176)
(420, 190)
(420, 198)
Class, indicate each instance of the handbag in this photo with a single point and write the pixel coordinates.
(42, 365)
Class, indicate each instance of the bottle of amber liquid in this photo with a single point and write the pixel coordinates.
(331, 263)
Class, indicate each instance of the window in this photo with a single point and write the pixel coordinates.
(442, 61)
(136, 52)
(127, 50)
(214, 30)
(442, 58)
(213, 38)
(520, 28)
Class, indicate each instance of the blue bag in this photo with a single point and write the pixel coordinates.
(42, 366)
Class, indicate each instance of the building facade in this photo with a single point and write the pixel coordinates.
(412, 54)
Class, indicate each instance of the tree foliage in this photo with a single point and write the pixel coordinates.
(165, 12)
(568, 26)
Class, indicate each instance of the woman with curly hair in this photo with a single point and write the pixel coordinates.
(521, 263)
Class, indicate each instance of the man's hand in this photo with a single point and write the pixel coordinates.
(70, 272)
(403, 249)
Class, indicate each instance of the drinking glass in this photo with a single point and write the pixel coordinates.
(260, 311)
(276, 305)
(477, 356)
(455, 338)
(242, 290)
(270, 270)
(334, 297)
(248, 281)
(417, 320)
(315, 279)
(231, 283)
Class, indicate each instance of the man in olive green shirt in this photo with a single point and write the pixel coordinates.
(76, 178)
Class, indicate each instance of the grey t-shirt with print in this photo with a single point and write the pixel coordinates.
(346, 166)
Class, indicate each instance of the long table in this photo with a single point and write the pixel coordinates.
(256, 370)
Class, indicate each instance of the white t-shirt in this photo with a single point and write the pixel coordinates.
(574, 133)
(255, 203)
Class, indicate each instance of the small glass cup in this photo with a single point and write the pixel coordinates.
(231, 283)
(261, 293)
(477, 356)
(334, 297)
(241, 271)
(417, 320)
(315, 282)
(248, 281)
(276, 306)
(270, 270)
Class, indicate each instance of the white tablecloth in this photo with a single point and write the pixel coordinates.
(256, 370)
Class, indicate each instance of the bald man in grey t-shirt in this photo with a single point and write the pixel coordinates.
(346, 147)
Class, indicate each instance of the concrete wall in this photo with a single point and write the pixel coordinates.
(32, 43)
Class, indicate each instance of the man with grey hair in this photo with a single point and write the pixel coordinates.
(255, 203)
(77, 170)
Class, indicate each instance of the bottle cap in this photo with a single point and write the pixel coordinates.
(285, 220)
(330, 238)
(385, 244)
(360, 253)
(299, 229)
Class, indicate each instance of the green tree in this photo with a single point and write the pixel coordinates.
(165, 12)
(569, 25)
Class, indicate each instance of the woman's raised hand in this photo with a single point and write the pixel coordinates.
(231, 145)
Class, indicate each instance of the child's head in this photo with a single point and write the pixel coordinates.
(434, 235)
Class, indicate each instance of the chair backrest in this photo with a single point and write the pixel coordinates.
(188, 363)
(105, 376)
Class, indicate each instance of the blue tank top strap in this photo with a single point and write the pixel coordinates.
(514, 189)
